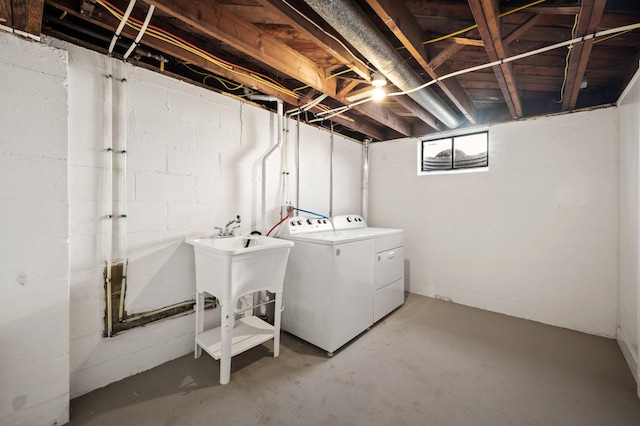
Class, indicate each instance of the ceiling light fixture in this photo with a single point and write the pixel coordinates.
(377, 79)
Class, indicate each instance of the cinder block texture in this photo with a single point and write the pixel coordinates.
(34, 230)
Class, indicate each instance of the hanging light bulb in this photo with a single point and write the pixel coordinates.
(378, 94)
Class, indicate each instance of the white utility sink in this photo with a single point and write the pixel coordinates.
(229, 268)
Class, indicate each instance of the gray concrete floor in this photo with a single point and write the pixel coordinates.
(429, 363)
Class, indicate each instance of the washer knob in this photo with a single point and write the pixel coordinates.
(348, 219)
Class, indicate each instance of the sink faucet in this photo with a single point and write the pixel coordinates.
(226, 232)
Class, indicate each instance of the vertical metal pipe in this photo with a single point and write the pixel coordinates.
(331, 175)
(297, 163)
(365, 179)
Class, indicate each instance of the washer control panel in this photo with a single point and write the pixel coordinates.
(351, 221)
(304, 225)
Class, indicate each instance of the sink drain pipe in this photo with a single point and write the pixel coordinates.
(261, 296)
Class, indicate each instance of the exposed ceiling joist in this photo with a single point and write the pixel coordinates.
(6, 14)
(526, 26)
(486, 14)
(406, 28)
(588, 21)
(23, 16)
(323, 40)
(269, 47)
(105, 20)
(221, 23)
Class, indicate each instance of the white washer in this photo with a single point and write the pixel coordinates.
(388, 260)
(327, 296)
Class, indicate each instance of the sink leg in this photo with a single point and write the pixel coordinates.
(199, 308)
(276, 324)
(226, 329)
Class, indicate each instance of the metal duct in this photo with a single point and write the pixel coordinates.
(352, 23)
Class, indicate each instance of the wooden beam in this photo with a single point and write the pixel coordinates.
(358, 124)
(467, 41)
(348, 87)
(486, 12)
(384, 116)
(552, 10)
(27, 16)
(106, 21)
(318, 36)
(444, 55)
(411, 106)
(6, 14)
(221, 23)
(588, 21)
(516, 33)
(406, 28)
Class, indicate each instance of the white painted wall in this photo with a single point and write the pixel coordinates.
(194, 161)
(629, 134)
(535, 237)
(34, 228)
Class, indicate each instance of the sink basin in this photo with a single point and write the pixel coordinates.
(229, 268)
(237, 245)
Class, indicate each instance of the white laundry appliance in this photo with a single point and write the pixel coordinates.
(330, 286)
(388, 273)
(327, 295)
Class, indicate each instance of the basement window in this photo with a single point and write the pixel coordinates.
(454, 153)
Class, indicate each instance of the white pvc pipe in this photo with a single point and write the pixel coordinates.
(145, 24)
(122, 223)
(125, 17)
(108, 141)
(265, 160)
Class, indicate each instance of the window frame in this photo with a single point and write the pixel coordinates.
(453, 169)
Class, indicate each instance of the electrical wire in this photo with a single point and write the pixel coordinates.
(472, 27)
(167, 37)
(623, 29)
(566, 61)
(225, 83)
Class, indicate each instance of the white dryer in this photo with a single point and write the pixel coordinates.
(327, 296)
(388, 277)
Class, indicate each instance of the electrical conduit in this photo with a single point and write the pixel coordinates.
(143, 29)
(123, 21)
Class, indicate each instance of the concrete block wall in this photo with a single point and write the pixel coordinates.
(193, 162)
(34, 231)
(535, 237)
